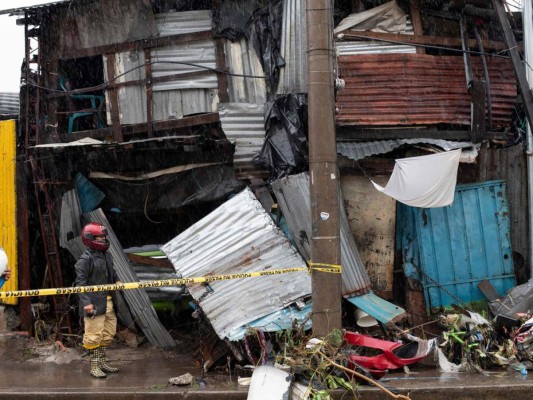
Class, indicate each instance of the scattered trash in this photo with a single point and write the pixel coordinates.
(182, 380)
(269, 383)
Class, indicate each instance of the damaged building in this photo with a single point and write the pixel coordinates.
(182, 127)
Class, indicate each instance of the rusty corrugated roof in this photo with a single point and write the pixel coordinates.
(416, 89)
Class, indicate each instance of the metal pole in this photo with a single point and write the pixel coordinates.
(527, 15)
(324, 177)
(518, 65)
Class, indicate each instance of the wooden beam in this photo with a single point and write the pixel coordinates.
(479, 97)
(161, 263)
(139, 44)
(519, 69)
(221, 66)
(136, 129)
(353, 133)
(113, 101)
(416, 20)
(421, 40)
(149, 92)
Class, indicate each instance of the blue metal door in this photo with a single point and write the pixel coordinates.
(452, 249)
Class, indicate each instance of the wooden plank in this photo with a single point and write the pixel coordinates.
(488, 290)
(113, 100)
(149, 92)
(139, 44)
(162, 263)
(421, 40)
(416, 20)
(478, 110)
(221, 66)
(348, 133)
(136, 129)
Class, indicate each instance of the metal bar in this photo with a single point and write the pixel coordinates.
(486, 75)
(516, 59)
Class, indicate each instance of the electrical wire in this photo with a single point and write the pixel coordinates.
(429, 46)
(106, 84)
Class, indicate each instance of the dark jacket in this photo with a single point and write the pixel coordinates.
(94, 268)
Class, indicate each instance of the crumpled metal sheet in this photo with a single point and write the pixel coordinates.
(238, 237)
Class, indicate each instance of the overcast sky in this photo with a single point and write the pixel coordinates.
(12, 43)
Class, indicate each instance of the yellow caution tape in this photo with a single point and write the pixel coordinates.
(142, 285)
(323, 267)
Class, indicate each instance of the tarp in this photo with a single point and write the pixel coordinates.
(387, 18)
(285, 150)
(425, 181)
(260, 22)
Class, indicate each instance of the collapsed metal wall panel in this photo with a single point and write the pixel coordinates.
(238, 237)
(292, 193)
(137, 299)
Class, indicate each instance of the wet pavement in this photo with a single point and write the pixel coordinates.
(31, 370)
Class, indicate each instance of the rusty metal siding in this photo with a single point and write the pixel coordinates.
(415, 89)
(8, 195)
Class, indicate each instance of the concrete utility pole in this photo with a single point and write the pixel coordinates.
(324, 179)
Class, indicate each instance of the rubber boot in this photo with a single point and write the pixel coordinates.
(94, 355)
(102, 361)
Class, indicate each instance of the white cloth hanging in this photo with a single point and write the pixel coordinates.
(425, 181)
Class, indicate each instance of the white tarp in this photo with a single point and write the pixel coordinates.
(425, 181)
(386, 18)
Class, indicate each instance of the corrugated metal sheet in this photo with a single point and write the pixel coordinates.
(280, 320)
(243, 125)
(237, 237)
(292, 194)
(140, 306)
(452, 249)
(412, 89)
(177, 98)
(242, 59)
(359, 150)
(375, 46)
(378, 308)
(177, 23)
(371, 47)
(293, 76)
(8, 202)
(9, 103)
(20, 10)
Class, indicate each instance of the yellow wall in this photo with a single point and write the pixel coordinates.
(8, 212)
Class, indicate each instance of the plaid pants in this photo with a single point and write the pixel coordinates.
(100, 330)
